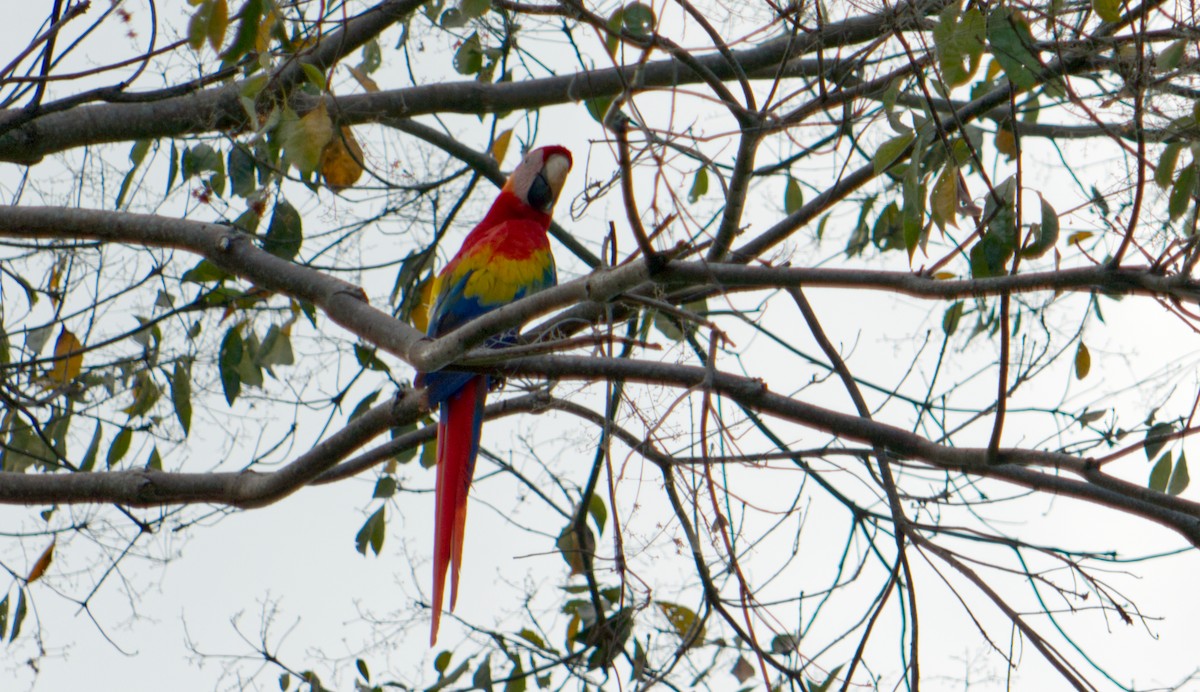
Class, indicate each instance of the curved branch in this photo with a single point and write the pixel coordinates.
(213, 109)
(219, 108)
(148, 487)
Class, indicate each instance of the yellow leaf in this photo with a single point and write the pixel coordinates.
(56, 275)
(500, 146)
(1078, 237)
(217, 24)
(1006, 143)
(420, 314)
(1083, 361)
(341, 160)
(685, 622)
(43, 562)
(573, 550)
(262, 40)
(68, 359)
(945, 276)
(364, 80)
(993, 70)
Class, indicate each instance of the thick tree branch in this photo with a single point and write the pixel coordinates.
(149, 488)
(219, 109)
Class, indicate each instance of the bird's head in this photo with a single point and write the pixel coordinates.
(540, 176)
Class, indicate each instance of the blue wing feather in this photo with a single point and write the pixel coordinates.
(455, 306)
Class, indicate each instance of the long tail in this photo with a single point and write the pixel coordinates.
(457, 446)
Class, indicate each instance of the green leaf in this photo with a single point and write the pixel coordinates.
(598, 512)
(1164, 173)
(1109, 10)
(18, 615)
(145, 395)
(474, 9)
(248, 370)
(1161, 475)
(784, 644)
(304, 137)
(198, 25)
(205, 272)
(35, 339)
(533, 638)
(201, 159)
(468, 59)
(372, 56)
(1170, 58)
(793, 198)
(148, 337)
(429, 455)
(366, 357)
(137, 153)
(598, 107)
(371, 533)
(1179, 477)
(912, 217)
(1157, 438)
(699, 186)
(1083, 361)
(119, 446)
(276, 348)
(959, 42)
(442, 661)
(890, 151)
(408, 454)
(638, 19)
(249, 19)
(364, 405)
(482, 679)
(284, 234)
(608, 637)
(173, 167)
(1000, 209)
(572, 549)
(385, 487)
(155, 460)
(989, 257)
(1181, 193)
(1045, 235)
(229, 360)
(181, 395)
(361, 665)
(314, 75)
(943, 200)
(829, 680)
(517, 678)
(1011, 41)
(452, 18)
(952, 317)
(3, 615)
(93, 450)
(611, 38)
(242, 171)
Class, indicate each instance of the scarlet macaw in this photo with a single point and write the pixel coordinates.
(504, 258)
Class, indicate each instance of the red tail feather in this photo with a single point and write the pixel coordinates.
(457, 444)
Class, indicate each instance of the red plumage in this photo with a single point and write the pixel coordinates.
(505, 257)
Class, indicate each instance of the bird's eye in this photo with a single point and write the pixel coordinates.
(540, 195)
